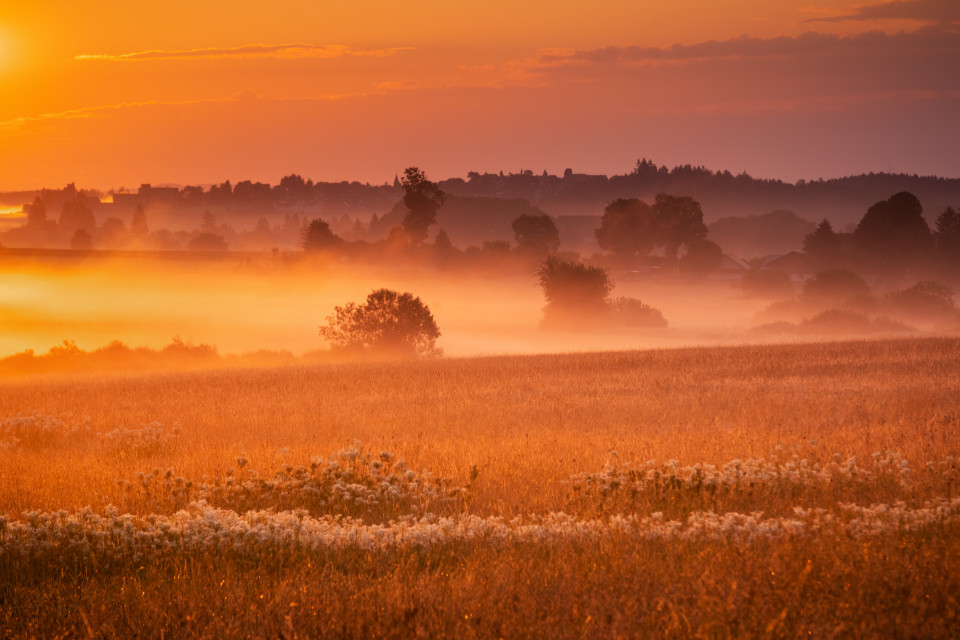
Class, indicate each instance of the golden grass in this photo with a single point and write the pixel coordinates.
(527, 425)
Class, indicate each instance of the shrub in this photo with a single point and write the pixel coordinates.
(835, 287)
(929, 301)
(630, 312)
(575, 292)
(388, 323)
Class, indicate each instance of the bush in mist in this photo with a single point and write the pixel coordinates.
(67, 356)
(81, 241)
(929, 301)
(388, 323)
(838, 321)
(577, 297)
(574, 291)
(702, 257)
(318, 237)
(630, 312)
(835, 287)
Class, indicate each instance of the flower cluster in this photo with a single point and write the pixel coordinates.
(661, 485)
(40, 430)
(84, 535)
(349, 483)
(43, 430)
(145, 437)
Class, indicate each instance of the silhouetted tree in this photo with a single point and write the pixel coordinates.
(294, 186)
(422, 199)
(835, 287)
(81, 240)
(924, 301)
(208, 223)
(575, 292)
(893, 234)
(630, 312)
(702, 258)
(388, 323)
(443, 249)
(38, 230)
(679, 221)
(536, 235)
(36, 213)
(138, 226)
(112, 233)
(822, 247)
(318, 237)
(628, 229)
(76, 214)
(948, 237)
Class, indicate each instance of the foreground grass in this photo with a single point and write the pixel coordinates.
(897, 586)
(791, 490)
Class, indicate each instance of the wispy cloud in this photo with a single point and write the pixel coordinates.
(935, 11)
(246, 95)
(88, 112)
(811, 43)
(807, 104)
(250, 51)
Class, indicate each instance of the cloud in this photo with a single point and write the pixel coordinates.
(92, 112)
(935, 11)
(245, 96)
(809, 43)
(250, 51)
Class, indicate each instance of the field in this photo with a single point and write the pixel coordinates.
(749, 491)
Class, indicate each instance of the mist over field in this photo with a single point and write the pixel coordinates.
(240, 309)
(491, 320)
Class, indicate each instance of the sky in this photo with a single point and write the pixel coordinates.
(110, 94)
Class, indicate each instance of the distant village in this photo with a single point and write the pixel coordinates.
(757, 224)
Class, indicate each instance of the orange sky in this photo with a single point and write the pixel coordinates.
(111, 94)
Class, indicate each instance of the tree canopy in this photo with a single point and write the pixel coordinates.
(631, 229)
(318, 237)
(679, 221)
(388, 323)
(627, 229)
(822, 246)
(893, 233)
(536, 235)
(422, 199)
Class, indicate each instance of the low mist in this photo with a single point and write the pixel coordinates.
(244, 308)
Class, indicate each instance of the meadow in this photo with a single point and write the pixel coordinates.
(743, 491)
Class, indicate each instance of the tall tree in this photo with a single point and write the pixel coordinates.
(893, 234)
(679, 221)
(422, 199)
(822, 247)
(318, 237)
(627, 229)
(948, 237)
(536, 235)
